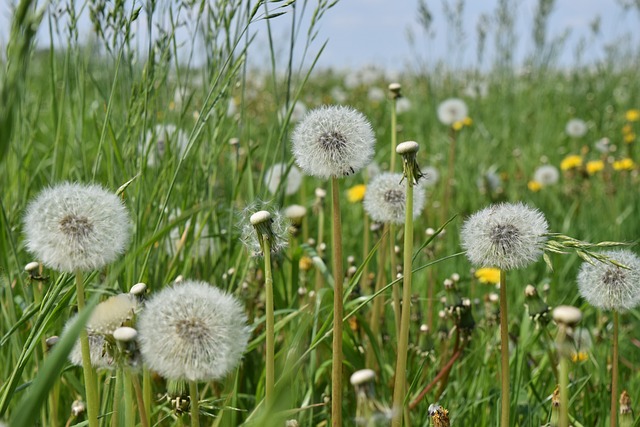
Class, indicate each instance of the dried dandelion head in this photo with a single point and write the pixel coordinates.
(258, 224)
(384, 200)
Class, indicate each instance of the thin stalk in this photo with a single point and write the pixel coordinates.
(394, 136)
(270, 350)
(564, 380)
(129, 408)
(319, 241)
(397, 310)
(147, 393)
(336, 367)
(376, 310)
(504, 351)
(450, 169)
(614, 372)
(403, 341)
(195, 404)
(90, 386)
(139, 399)
(364, 281)
(117, 395)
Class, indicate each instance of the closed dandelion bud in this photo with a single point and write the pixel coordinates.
(193, 332)
(443, 329)
(138, 289)
(537, 308)
(507, 236)
(466, 322)
(385, 200)
(613, 285)
(78, 407)
(439, 416)
(333, 141)
(394, 90)
(411, 170)
(72, 227)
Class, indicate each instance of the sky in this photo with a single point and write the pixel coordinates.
(365, 32)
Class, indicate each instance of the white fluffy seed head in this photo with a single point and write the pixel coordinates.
(608, 286)
(506, 236)
(192, 331)
(333, 141)
(430, 176)
(163, 139)
(100, 358)
(110, 314)
(567, 315)
(546, 175)
(362, 376)
(280, 171)
(73, 227)
(385, 199)
(576, 128)
(452, 110)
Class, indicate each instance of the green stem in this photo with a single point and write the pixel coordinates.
(129, 409)
(90, 386)
(139, 399)
(270, 350)
(397, 310)
(563, 378)
(376, 310)
(195, 404)
(450, 171)
(394, 136)
(117, 397)
(403, 341)
(147, 393)
(336, 367)
(504, 350)
(614, 373)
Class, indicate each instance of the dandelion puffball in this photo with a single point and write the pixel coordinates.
(452, 110)
(546, 175)
(385, 199)
(506, 236)
(277, 173)
(576, 128)
(333, 141)
(192, 331)
(609, 286)
(72, 227)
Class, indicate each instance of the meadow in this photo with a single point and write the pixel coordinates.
(188, 150)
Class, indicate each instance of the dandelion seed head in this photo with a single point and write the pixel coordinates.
(385, 199)
(609, 286)
(506, 236)
(452, 110)
(110, 314)
(546, 175)
(333, 141)
(576, 128)
(277, 173)
(99, 355)
(192, 331)
(76, 227)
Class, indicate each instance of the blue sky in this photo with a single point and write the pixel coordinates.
(361, 32)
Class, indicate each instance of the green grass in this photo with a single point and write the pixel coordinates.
(80, 114)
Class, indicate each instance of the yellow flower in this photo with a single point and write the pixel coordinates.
(580, 356)
(629, 137)
(625, 164)
(305, 263)
(632, 115)
(457, 125)
(467, 121)
(488, 275)
(356, 193)
(594, 166)
(627, 129)
(534, 186)
(572, 161)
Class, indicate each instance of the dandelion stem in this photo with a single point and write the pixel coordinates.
(336, 368)
(563, 377)
(139, 399)
(397, 310)
(504, 350)
(450, 171)
(614, 372)
(129, 409)
(403, 341)
(394, 136)
(376, 310)
(270, 350)
(195, 404)
(91, 389)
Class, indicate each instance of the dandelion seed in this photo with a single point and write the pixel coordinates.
(276, 173)
(609, 286)
(546, 175)
(576, 128)
(76, 227)
(506, 236)
(192, 331)
(161, 140)
(603, 145)
(384, 200)
(451, 111)
(333, 141)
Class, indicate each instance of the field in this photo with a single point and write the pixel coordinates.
(188, 151)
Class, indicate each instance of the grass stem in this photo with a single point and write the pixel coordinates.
(90, 386)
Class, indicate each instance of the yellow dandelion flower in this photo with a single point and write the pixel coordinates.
(629, 137)
(534, 186)
(305, 263)
(356, 193)
(580, 356)
(627, 129)
(467, 121)
(572, 161)
(632, 115)
(594, 166)
(457, 125)
(625, 164)
(488, 275)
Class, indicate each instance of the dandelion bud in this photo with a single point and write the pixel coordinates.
(32, 268)
(394, 90)
(452, 110)
(125, 334)
(429, 231)
(265, 227)
(295, 213)
(411, 170)
(138, 289)
(320, 193)
(567, 315)
(302, 291)
(351, 259)
(51, 341)
(78, 407)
